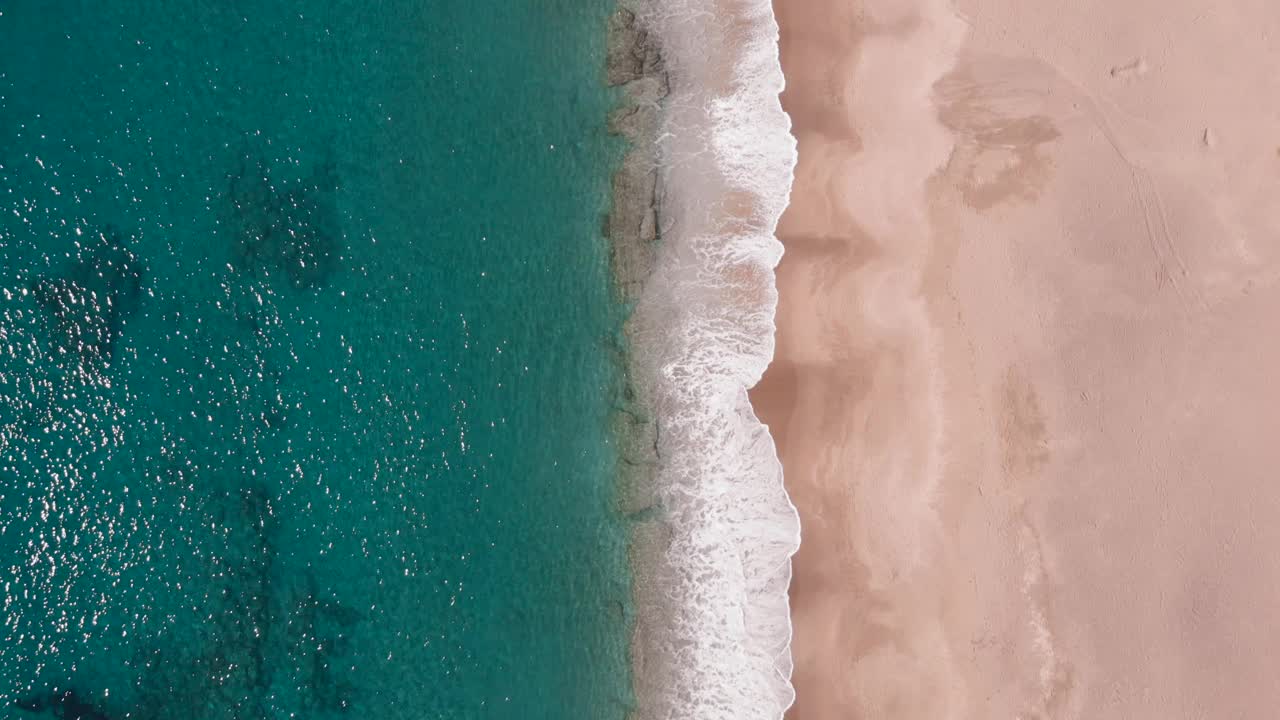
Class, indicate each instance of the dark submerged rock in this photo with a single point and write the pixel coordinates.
(269, 632)
(632, 53)
(88, 305)
(63, 705)
(635, 63)
(285, 227)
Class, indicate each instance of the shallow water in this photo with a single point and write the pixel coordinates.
(307, 355)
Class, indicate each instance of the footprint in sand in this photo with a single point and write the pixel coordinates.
(1131, 70)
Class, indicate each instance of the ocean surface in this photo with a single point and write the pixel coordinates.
(308, 354)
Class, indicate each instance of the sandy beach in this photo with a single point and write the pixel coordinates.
(1023, 389)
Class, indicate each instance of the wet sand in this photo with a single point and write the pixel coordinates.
(1024, 390)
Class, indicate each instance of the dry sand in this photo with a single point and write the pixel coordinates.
(1025, 390)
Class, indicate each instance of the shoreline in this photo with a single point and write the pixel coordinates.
(853, 395)
(695, 202)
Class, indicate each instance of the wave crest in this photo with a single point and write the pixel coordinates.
(713, 628)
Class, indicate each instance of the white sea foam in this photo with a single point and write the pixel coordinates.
(703, 334)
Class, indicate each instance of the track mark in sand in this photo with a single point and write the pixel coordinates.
(972, 123)
(1160, 236)
(1155, 217)
(1133, 69)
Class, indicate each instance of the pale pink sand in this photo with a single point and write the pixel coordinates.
(1026, 389)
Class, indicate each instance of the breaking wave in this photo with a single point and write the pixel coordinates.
(713, 627)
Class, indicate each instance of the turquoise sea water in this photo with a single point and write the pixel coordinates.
(307, 354)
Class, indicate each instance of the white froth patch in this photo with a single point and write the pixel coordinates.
(705, 329)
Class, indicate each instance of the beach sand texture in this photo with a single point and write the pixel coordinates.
(1025, 388)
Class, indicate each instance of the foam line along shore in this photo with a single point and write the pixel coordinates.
(696, 203)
